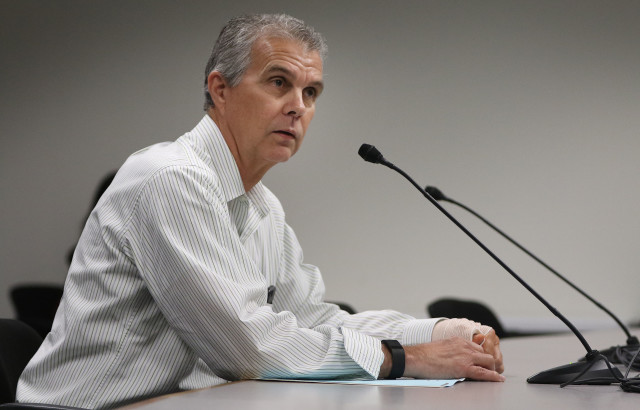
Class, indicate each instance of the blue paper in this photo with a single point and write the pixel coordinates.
(397, 382)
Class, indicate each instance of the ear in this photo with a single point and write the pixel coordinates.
(217, 87)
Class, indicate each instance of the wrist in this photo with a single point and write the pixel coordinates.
(397, 355)
(385, 367)
(410, 369)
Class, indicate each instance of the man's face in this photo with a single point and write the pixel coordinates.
(268, 112)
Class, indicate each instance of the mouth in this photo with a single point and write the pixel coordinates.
(290, 134)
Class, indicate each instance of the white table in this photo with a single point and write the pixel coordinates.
(523, 358)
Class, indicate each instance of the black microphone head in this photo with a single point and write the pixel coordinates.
(370, 154)
(435, 193)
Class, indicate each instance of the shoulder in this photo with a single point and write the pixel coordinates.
(169, 165)
(159, 177)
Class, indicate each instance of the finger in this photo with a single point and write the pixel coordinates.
(484, 360)
(499, 362)
(497, 356)
(480, 373)
(492, 337)
(479, 339)
(474, 344)
(490, 348)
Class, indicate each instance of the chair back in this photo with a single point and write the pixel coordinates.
(18, 344)
(468, 309)
(36, 305)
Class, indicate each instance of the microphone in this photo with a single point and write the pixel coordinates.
(371, 154)
(595, 369)
(615, 354)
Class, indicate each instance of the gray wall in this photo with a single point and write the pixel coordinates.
(527, 111)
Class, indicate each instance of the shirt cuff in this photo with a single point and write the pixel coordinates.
(366, 351)
(418, 331)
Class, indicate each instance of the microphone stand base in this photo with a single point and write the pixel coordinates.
(616, 355)
(598, 373)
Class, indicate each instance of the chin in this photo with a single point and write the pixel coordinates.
(282, 155)
(280, 159)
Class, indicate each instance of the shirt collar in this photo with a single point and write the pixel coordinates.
(209, 141)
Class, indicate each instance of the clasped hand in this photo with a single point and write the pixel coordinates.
(452, 358)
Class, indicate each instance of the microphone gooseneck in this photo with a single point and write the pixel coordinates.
(563, 374)
(438, 195)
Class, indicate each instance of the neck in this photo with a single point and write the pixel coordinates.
(250, 172)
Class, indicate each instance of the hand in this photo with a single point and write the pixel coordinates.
(455, 358)
(491, 344)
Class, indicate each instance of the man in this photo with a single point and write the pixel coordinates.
(171, 286)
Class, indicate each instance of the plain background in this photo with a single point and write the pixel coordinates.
(527, 111)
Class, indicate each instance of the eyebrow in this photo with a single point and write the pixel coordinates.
(279, 69)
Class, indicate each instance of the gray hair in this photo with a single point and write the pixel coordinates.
(232, 51)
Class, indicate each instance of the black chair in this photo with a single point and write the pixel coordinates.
(468, 309)
(18, 344)
(36, 305)
(344, 306)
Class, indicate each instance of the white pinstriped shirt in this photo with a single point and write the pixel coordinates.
(167, 290)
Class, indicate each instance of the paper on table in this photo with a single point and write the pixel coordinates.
(396, 382)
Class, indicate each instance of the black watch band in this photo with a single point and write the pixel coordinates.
(397, 358)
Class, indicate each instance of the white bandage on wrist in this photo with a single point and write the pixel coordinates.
(463, 328)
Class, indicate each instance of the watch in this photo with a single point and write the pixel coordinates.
(397, 358)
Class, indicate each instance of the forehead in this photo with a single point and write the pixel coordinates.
(275, 52)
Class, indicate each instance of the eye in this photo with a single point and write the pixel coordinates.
(310, 92)
(278, 82)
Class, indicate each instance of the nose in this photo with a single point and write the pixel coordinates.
(295, 105)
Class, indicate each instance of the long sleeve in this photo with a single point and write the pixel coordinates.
(212, 293)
